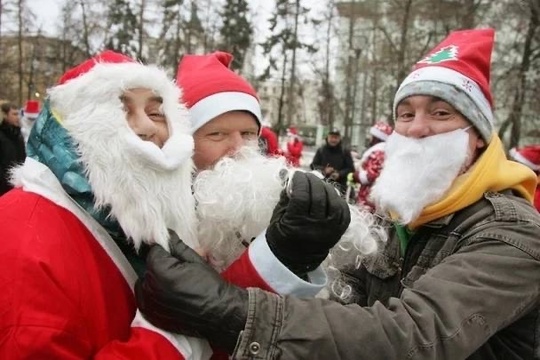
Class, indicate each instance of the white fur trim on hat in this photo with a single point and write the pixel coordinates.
(452, 77)
(105, 83)
(378, 133)
(220, 103)
(516, 155)
(102, 86)
(31, 115)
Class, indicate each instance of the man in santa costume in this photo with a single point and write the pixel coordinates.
(294, 147)
(371, 163)
(268, 140)
(108, 172)
(459, 277)
(530, 157)
(30, 113)
(236, 188)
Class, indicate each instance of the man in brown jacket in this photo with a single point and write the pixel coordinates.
(459, 277)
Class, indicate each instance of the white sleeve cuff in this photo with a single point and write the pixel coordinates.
(278, 276)
(191, 348)
(362, 176)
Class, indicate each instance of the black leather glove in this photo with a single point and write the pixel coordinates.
(307, 225)
(181, 293)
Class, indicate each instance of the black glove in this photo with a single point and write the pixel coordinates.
(305, 227)
(181, 293)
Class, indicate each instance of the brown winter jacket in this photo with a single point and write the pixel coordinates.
(468, 287)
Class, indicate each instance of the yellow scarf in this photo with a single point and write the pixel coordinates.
(491, 172)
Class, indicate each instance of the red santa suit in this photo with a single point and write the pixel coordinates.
(68, 289)
(371, 164)
(294, 147)
(269, 141)
(370, 167)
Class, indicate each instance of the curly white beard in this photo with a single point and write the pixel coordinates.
(235, 201)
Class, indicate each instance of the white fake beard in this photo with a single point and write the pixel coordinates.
(235, 201)
(418, 172)
(147, 188)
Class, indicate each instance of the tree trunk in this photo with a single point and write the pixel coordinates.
(281, 101)
(86, 41)
(348, 82)
(402, 71)
(291, 96)
(20, 50)
(141, 31)
(514, 118)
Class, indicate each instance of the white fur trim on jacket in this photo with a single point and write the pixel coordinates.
(278, 276)
(191, 348)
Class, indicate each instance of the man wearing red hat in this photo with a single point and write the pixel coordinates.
(530, 157)
(268, 140)
(458, 278)
(371, 163)
(30, 114)
(106, 159)
(236, 188)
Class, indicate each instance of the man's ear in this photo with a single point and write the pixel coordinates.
(480, 143)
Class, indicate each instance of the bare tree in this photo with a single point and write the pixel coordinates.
(514, 118)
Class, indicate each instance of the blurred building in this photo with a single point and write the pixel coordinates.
(305, 116)
(31, 64)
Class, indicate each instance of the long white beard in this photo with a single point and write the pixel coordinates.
(418, 172)
(235, 201)
(148, 189)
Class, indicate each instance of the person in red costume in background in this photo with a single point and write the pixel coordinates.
(268, 140)
(294, 147)
(530, 157)
(371, 163)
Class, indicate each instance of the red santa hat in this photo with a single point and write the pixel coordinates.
(211, 88)
(292, 131)
(457, 71)
(106, 57)
(87, 101)
(528, 155)
(31, 109)
(104, 77)
(381, 130)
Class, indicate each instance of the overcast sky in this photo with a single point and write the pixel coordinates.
(47, 11)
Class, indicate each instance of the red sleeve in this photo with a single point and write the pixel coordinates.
(242, 273)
